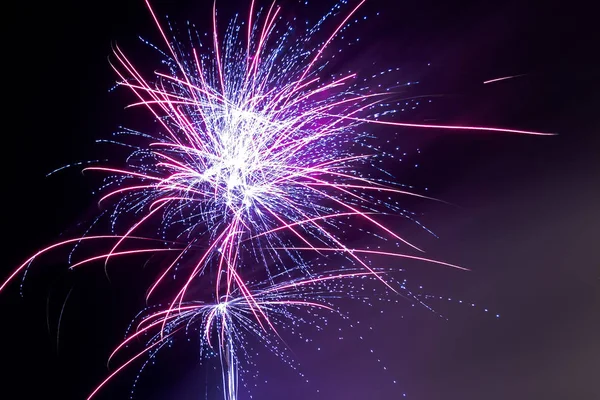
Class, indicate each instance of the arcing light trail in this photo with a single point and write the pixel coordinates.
(504, 78)
(258, 158)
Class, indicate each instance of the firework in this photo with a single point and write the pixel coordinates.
(257, 166)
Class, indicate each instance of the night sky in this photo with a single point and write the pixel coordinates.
(525, 219)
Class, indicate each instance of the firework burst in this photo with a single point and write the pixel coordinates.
(257, 165)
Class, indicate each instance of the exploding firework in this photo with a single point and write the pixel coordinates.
(258, 165)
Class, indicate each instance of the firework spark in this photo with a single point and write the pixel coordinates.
(258, 160)
(504, 78)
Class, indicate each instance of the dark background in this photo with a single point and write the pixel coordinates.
(527, 223)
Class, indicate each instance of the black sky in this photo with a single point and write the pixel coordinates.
(527, 221)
